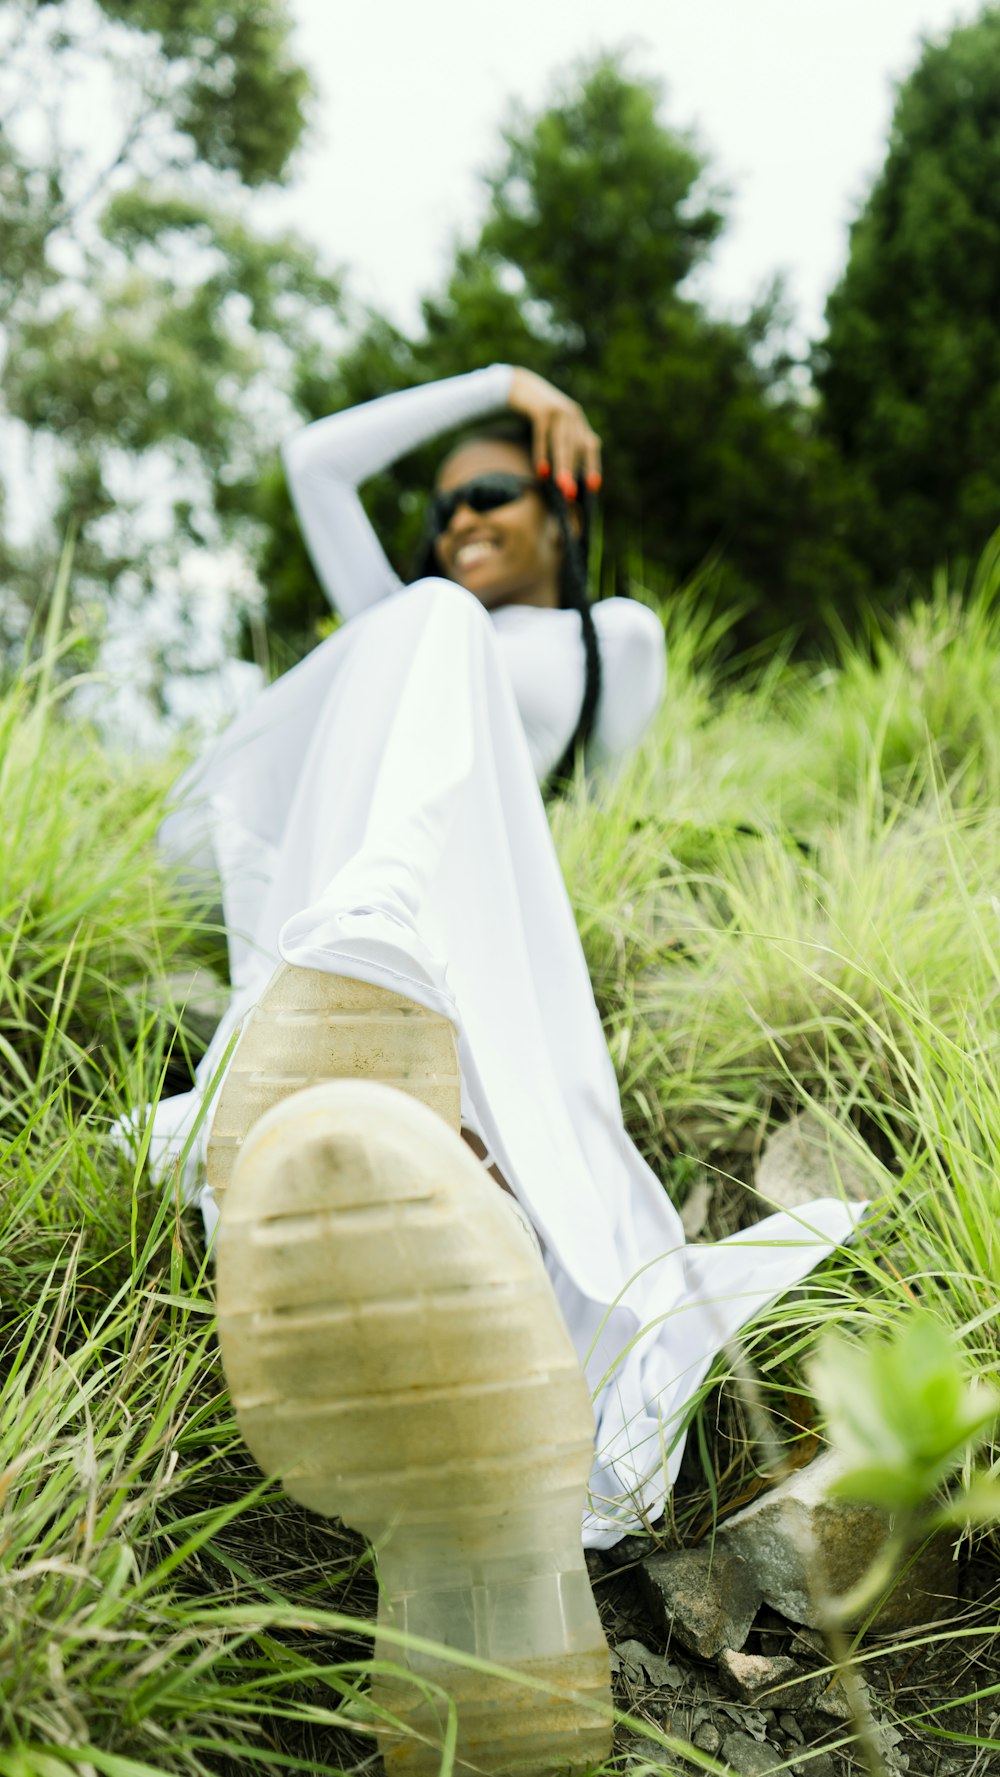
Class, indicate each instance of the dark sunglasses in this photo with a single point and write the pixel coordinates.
(484, 494)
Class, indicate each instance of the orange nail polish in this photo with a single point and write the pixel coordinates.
(566, 485)
(543, 470)
(594, 481)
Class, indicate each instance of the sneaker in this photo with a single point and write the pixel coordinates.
(396, 1353)
(309, 1026)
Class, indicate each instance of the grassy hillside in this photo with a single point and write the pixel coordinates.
(788, 900)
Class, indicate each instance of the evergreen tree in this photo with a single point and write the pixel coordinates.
(597, 215)
(910, 368)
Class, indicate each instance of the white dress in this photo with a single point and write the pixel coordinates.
(376, 813)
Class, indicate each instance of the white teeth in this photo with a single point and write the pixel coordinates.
(472, 552)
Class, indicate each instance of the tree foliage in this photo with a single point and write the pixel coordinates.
(910, 368)
(596, 217)
(241, 98)
(148, 330)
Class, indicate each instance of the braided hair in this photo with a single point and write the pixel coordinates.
(573, 589)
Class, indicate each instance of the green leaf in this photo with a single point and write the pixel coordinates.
(900, 1412)
(979, 1503)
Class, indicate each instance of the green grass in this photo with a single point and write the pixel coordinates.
(789, 898)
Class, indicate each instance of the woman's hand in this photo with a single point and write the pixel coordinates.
(565, 447)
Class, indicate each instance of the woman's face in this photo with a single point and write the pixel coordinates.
(512, 555)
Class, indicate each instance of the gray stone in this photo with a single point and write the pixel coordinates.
(805, 1158)
(787, 1530)
(195, 998)
(707, 1737)
(832, 1707)
(707, 1602)
(790, 1727)
(752, 1677)
(748, 1720)
(639, 1663)
(750, 1758)
(832, 1701)
(595, 1564)
(697, 1203)
(889, 1740)
(645, 1752)
(627, 1552)
(820, 1765)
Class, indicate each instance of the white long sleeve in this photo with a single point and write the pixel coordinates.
(327, 461)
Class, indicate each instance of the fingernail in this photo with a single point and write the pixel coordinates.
(594, 481)
(543, 470)
(566, 485)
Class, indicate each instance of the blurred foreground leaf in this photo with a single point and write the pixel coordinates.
(901, 1412)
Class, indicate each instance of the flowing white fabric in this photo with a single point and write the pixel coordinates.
(377, 814)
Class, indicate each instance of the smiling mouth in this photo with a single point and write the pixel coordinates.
(468, 554)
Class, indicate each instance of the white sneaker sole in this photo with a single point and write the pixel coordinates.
(395, 1351)
(308, 1027)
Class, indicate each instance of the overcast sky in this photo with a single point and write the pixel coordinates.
(791, 98)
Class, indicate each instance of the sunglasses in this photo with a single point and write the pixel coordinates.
(484, 494)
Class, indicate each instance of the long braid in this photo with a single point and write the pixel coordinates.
(573, 596)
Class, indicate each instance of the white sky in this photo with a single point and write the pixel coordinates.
(792, 98)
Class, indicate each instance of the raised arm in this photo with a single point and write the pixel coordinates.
(327, 461)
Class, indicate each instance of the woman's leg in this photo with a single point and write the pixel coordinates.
(417, 856)
(413, 851)
(393, 1344)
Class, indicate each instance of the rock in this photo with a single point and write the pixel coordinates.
(751, 1758)
(694, 1211)
(820, 1765)
(832, 1706)
(642, 1753)
(707, 1602)
(640, 1664)
(707, 1737)
(195, 998)
(790, 1727)
(595, 1564)
(628, 1551)
(749, 1721)
(889, 1740)
(804, 1159)
(833, 1701)
(777, 1534)
(752, 1677)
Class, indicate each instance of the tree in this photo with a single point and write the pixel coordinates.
(148, 332)
(597, 215)
(910, 367)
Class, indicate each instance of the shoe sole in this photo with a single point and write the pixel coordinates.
(395, 1351)
(308, 1027)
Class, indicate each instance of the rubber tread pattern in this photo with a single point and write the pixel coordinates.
(461, 1443)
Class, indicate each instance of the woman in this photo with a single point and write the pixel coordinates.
(376, 820)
